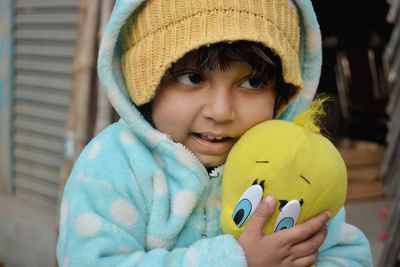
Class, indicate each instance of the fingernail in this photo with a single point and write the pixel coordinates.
(269, 200)
(328, 213)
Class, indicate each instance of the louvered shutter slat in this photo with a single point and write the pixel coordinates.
(41, 95)
(45, 36)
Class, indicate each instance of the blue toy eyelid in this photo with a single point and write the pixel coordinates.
(247, 203)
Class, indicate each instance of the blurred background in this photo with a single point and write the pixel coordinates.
(51, 105)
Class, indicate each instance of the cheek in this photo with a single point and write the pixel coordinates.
(258, 110)
(173, 118)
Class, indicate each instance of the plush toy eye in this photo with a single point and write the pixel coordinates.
(247, 204)
(288, 215)
(284, 224)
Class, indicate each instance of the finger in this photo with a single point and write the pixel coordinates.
(305, 261)
(310, 246)
(307, 229)
(261, 215)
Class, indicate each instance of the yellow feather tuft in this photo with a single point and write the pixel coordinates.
(309, 119)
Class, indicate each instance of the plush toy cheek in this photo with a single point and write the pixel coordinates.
(331, 198)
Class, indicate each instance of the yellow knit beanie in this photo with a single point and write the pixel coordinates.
(160, 32)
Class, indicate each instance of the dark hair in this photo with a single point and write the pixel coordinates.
(262, 59)
(223, 54)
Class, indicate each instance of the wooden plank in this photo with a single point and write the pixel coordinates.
(359, 190)
(364, 173)
(360, 153)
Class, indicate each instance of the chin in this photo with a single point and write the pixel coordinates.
(211, 162)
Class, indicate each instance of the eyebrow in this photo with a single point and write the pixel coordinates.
(262, 161)
(305, 179)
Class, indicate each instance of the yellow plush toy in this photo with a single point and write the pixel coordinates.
(290, 160)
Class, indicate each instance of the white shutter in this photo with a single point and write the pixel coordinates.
(45, 36)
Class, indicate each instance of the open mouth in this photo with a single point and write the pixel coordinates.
(213, 139)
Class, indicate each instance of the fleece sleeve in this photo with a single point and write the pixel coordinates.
(345, 245)
(104, 222)
(94, 232)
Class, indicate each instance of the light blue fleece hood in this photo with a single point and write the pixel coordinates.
(114, 86)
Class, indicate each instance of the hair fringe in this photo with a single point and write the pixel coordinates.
(310, 118)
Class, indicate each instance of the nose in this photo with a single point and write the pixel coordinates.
(220, 105)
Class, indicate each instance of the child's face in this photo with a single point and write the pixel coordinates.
(207, 111)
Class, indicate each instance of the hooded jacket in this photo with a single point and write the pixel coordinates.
(136, 198)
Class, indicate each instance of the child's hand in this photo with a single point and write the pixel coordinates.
(296, 246)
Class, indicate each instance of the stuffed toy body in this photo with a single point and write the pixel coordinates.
(290, 160)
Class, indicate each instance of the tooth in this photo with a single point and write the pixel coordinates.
(211, 137)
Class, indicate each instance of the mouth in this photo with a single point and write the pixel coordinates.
(212, 143)
(213, 138)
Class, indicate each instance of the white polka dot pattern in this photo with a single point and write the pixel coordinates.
(348, 233)
(106, 184)
(124, 250)
(139, 256)
(87, 224)
(159, 160)
(94, 151)
(185, 158)
(191, 258)
(123, 212)
(160, 186)
(155, 242)
(183, 203)
(65, 262)
(63, 212)
(127, 138)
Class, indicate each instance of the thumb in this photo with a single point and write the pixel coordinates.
(261, 215)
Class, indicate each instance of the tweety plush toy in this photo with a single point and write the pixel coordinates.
(290, 160)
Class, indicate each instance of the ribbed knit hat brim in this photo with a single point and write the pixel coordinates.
(160, 32)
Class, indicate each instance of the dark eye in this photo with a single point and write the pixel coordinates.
(253, 83)
(247, 204)
(190, 78)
